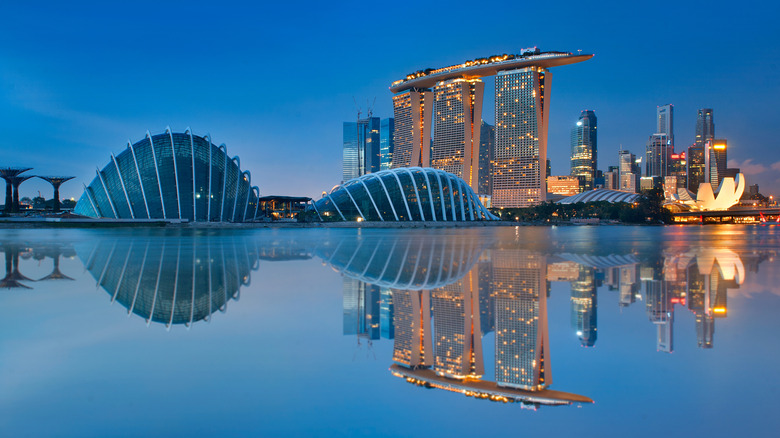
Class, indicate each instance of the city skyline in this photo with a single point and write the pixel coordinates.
(76, 90)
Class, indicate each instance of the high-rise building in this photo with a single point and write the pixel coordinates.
(584, 150)
(521, 332)
(659, 155)
(361, 148)
(457, 127)
(679, 169)
(413, 113)
(386, 143)
(665, 118)
(584, 304)
(611, 178)
(628, 172)
(456, 313)
(705, 127)
(563, 185)
(520, 156)
(487, 140)
(696, 165)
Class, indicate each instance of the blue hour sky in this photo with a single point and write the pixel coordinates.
(275, 81)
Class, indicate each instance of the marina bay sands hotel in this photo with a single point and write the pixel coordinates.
(448, 101)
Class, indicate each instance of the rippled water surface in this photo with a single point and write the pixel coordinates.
(587, 331)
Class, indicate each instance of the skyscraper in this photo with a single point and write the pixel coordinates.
(520, 154)
(487, 140)
(584, 150)
(361, 148)
(456, 130)
(696, 166)
(705, 127)
(386, 143)
(659, 155)
(521, 332)
(665, 116)
(413, 112)
(628, 172)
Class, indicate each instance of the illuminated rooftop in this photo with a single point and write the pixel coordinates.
(484, 389)
(490, 66)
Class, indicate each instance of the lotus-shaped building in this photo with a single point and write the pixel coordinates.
(729, 193)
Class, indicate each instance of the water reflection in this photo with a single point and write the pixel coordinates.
(172, 278)
(438, 329)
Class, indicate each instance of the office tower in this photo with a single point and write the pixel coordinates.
(360, 309)
(487, 140)
(628, 172)
(386, 143)
(696, 164)
(361, 148)
(584, 302)
(679, 169)
(584, 150)
(611, 178)
(522, 107)
(413, 113)
(413, 345)
(458, 347)
(659, 155)
(665, 117)
(719, 152)
(705, 127)
(457, 127)
(386, 313)
(522, 341)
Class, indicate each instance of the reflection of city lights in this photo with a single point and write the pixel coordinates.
(579, 333)
(719, 310)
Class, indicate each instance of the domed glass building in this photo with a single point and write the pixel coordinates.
(403, 194)
(171, 176)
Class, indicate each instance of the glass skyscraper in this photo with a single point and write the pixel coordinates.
(520, 157)
(584, 150)
(487, 141)
(361, 148)
(386, 143)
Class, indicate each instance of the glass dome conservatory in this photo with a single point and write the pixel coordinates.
(171, 176)
(403, 194)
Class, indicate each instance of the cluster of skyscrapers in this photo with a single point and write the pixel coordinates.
(438, 123)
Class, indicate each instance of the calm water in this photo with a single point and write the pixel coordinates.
(671, 331)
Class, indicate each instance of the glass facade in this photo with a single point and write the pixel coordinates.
(386, 143)
(171, 176)
(405, 194)
(584, 149)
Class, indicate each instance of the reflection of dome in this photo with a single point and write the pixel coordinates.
(403, 262)
(404, 194)
(172, 278)
(171, 176)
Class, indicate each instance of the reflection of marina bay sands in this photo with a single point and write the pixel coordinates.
(447, 102)
(438, 327)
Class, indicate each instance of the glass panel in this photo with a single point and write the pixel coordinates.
(231, 184)
(162, 147)
(132, 183)
(411, 198)
(396, 196)
(217, 182)
(143, 154)
(378, 193)
(183, 149)
(115, 191)
(202, 148)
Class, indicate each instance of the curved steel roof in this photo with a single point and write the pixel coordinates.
(601, 195)
(545, 60)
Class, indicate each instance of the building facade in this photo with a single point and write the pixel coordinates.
(487, 141)
(705, 127)
(520, 156)
(457, 128)
(658, 156)
(386, 143)
(665, 125)
(172, 176)
(628, 172)
(361, 148)
(413, 113)
(584, 149)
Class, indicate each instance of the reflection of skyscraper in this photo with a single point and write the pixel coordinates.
(522, 337)
(584, 302)
(458, 352)
(660, 311)
(412, 347)
(522, 107)
(386, 312)
(361, 308)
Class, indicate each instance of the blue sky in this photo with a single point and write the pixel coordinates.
(275, 82)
